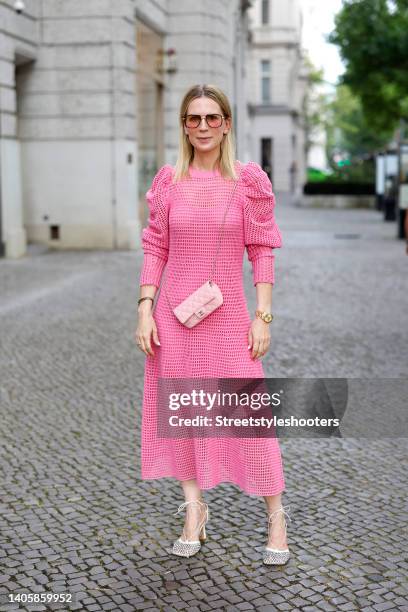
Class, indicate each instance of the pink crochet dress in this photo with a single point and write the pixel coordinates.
(183, 229)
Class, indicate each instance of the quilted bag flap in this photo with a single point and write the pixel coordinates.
(198, 302)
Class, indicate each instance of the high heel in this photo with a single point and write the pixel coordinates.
(276, 556)
(202, 535)
(187, 548)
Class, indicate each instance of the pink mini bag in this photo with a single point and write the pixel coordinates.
(199, 304)
(204, 300)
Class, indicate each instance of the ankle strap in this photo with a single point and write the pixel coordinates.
(185, 504)
(283, 509)
(206, 517)
(272, 516)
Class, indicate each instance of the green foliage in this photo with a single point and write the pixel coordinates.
(314, 104)
(314, 175)
(373, 42)
(361, 171)
(349, 134)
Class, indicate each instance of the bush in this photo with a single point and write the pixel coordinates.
(314, 175)
(338, 188)
(357, 172)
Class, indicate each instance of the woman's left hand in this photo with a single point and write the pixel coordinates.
(259, 338)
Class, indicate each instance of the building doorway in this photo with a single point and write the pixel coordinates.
(267, 156)
(150, 115)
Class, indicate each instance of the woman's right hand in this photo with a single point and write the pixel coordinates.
(146, 329)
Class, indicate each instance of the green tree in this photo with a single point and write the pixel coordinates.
(348, 131)
(373, 42)
(314, 104)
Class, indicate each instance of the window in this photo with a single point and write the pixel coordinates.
(267, 156)
(265, 12)
(265, 81)
(54, 232)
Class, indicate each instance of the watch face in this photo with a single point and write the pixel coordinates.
(268, 318)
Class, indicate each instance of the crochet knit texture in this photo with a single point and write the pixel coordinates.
(183, 230)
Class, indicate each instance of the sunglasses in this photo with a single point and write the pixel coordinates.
(213, 120)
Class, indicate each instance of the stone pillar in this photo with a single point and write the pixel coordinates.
(202, 34)
(17, 46)
(77, 124)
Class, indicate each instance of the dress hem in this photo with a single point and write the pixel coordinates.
(226, 481)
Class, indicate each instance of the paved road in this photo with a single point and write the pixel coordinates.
(74, 514)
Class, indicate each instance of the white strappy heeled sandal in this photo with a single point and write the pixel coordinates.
(276, 556)
(184, 547)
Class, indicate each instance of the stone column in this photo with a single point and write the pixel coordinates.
(77, 122)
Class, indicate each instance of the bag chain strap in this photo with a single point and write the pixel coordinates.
(219, 240)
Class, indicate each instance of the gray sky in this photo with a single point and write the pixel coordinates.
(318, 20)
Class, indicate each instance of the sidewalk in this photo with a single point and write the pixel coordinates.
(75, 515)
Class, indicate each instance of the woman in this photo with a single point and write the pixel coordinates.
(187, 204)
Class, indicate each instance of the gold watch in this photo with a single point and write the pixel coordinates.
(265, 316)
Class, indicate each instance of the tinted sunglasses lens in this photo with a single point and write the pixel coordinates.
(214, 120)
(193, 120)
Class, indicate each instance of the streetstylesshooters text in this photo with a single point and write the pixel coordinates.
(204, 400)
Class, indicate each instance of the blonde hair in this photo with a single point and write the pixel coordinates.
(226, 160)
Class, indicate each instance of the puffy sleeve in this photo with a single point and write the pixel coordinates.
(155, 237)
(262, 234)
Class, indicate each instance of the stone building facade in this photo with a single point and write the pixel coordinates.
(277, 77)
(89, 97)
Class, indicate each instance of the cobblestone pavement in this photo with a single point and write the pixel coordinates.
(75, 515)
